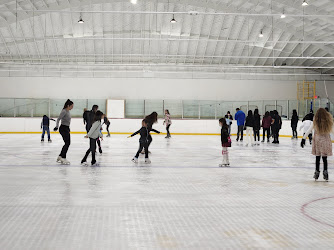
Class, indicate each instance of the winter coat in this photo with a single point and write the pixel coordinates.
(257, 122)
(266, 122)
(250, 121)
(294, 121)
(240, 118)
(224, 135)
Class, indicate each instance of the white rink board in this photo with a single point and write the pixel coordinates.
(130, 126)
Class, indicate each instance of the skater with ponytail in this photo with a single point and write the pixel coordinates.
(151, 119)
(322, 142)
(64, 130)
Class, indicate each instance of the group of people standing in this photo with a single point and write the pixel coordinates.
(271, 124)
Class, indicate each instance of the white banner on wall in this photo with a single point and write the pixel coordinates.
(115, 108)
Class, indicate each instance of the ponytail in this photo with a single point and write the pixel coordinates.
(67, 103)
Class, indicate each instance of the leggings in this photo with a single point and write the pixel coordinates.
(294, 132)
(241, 132)
(256, 134)
(317, 163)
(167, 128)
(65, 133)
(108, 129)
(249, 135)
(142, 145)
(264, 133)
(92, 148)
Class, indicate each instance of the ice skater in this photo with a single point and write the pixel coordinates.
(294, 124)
(276, 126)
(151, 119)
(307, 123)
(240, 118)
(322, 145)
(266, 123)
(167, 122)
(226, 142)
(64, 130)
(257, 125)
(229, 119)
(93, 134)
(85, 117)
(250, 128)
(91, 116)
(143, 142)
(45, 124)
(107, 123)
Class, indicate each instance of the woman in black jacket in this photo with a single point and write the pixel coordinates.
(250, 127)
(257, 125)
(294, 124)
(225, 142)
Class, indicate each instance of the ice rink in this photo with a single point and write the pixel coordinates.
(183, 200)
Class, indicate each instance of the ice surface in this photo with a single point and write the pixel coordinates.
(183, 200)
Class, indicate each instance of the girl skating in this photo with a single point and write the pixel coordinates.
(64, 130)
(143, 142)
(322, 142)
(93, 134)
(226, 142)
(150, 120)
(294, 124)
(249, 128)
(167, 122)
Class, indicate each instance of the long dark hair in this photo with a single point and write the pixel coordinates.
(256, 112)
(223, 122)
(167, 111)
(294, 112)
(67, 103)
(267, 114)
(152, 118)
(98, 116)
(250, 113)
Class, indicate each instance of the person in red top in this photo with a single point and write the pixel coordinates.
(266, 123)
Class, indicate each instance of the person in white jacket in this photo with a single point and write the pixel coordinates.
(93, 134)
(307, 123)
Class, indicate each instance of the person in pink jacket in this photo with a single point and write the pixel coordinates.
(167, 122)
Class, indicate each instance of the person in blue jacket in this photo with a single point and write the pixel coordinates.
(45, 126)
(240, 118)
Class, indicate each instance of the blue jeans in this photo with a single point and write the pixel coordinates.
(46, 128)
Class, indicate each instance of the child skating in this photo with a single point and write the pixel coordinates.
(45, 125)
(322, 142)
(94, 134)
(167, 122)
(226, 142)
(143, 142)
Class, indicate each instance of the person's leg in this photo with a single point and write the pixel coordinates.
(93, 149)
(99, 144)
(48, 131)
(238, 133)
(324, 159)
(317, 163)
(252, 135)
(310, 137)
(167, 128)
(108, 130)
(86, 155)
(141, 146)
(43, 133)
(65, 133)
(258, 135)
(146, 150)
(242, 133)
(149, 140)
(224, 156)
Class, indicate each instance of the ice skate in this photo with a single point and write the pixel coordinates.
(59, 159)
(84, 163)
(95, 164)
(222, 165)
(325, 175)
(316, 175)
(147, 161)
(42, 140)
(64, 161)
(50, 140)
(135, 160)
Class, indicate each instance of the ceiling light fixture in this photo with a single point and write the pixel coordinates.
(304, 3)
(134, 1)
(261, 34)
(80, 20)
(173, 20)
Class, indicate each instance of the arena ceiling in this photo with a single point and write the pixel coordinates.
(210, 39)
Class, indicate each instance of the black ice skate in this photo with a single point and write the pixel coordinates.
(326, 175)
(316, 175)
